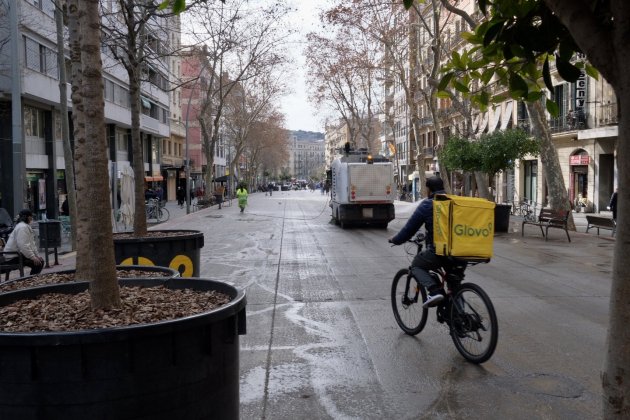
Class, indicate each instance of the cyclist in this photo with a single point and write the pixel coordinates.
(427, 259)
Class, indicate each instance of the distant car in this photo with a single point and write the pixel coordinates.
(285, 187)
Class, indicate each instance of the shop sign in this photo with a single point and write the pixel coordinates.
(579, 160)
(580, 91)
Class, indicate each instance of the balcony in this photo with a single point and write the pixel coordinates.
(569, 122)
(426, 121)
(428, 152)
(606, 114)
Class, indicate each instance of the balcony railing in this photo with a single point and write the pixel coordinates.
(569, 122)
(426, 121)
(606, 114)
(428, 152)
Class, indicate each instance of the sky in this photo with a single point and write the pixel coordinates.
(299, 114)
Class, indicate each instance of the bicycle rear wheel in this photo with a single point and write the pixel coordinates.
(474, 328)
(163, 214)
(407, 297)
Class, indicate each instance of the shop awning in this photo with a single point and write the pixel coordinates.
(154, 178)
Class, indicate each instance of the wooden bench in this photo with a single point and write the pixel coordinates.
(6, 268)
(600, 222)
(548, 218)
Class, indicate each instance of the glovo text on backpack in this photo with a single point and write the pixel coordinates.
(463, 227)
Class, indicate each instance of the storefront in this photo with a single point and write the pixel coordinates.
(578, 180)
(36, 191)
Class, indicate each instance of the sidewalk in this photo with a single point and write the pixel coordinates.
(66, 257)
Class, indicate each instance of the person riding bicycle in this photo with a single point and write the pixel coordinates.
(427, 259)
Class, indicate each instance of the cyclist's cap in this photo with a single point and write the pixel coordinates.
(435, 183)
(26, 213)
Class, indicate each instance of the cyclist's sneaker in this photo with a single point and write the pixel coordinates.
(433, 298)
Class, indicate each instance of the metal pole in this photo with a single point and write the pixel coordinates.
(19, 160)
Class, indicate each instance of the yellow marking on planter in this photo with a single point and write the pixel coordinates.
(141, 261)
(184, 260)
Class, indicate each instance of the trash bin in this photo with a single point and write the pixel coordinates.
(49, 234)
(502, 217)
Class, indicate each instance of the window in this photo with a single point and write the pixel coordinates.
(40, 58)
(33, 122)
(46, 6)
(109, 90)
(121, 141)
(121, 96)
(31, 54)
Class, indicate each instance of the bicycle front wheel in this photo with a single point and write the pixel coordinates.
(163, 215)
(474, 327)
(407, 298)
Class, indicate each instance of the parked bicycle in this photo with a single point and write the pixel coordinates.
(155, 210)
(525, 208)
(466, 310)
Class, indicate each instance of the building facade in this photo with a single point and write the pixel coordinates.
(32, 162)
(584, 133)
(307, 158)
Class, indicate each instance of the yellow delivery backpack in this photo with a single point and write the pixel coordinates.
(463, 227)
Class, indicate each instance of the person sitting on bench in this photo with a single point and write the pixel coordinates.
(22, 240)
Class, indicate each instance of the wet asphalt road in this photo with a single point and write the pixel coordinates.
(322, 342)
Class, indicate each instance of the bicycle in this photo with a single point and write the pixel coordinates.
(528, 210)
(155, 210)
(466, 309)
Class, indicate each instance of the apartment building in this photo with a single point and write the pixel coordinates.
(584, 134)
(335, 137)
(32, 163)
(196, 77)
(306, 157)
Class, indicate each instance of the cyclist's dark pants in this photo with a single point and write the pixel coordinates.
(424, 261)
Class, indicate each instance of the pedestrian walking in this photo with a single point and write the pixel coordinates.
(181, 195)
(219, 192)
(241, 194)
(613, 204)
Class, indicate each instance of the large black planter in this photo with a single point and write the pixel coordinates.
(180, 252)
(502, 217)
(181, 369)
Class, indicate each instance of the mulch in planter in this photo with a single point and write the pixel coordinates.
(140, 305)
(61, 277)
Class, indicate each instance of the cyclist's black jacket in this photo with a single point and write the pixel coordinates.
(423, 215)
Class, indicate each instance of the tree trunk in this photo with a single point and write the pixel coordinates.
(483, 186)
(139, 219)
(616, 375)
(92, 177)
(558, 196)
(65, 129)
(210, 135)
(75, 15)
(133, 72)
